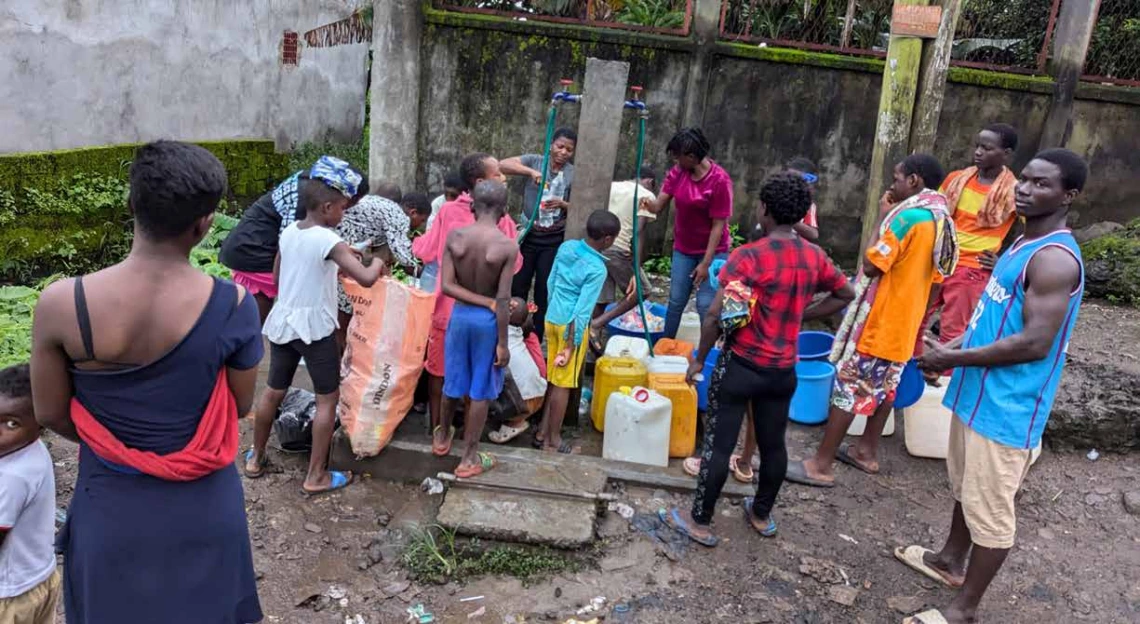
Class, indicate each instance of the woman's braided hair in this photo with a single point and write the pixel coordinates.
(688, 142)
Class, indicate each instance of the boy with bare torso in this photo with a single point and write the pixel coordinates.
(477, 269)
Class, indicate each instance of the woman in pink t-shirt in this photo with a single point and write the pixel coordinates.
(701, 191)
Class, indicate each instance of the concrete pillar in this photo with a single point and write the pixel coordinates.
(393, 148)
(1070, 46)
(704, 31)
(932, 80)
(896, 110)
(599, 129)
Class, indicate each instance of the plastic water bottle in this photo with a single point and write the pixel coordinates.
(555, 189)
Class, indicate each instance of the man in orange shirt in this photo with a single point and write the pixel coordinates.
(981, 200)
(915, 249)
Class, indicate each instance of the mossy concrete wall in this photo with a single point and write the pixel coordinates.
(489, 90)
(487, 81)
(78, 234)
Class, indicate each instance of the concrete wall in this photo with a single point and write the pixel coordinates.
(486, 84)
(96, 72)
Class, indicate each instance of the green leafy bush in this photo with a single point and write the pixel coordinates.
(16, 306)
(1112, 265)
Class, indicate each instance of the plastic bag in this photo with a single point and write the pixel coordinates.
(383, 359)
(294, 424)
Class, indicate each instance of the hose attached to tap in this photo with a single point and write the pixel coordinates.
(643, 115)
(561, 96)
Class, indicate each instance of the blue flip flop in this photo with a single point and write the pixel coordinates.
(768, 531)
(337, 480)
(674, 521)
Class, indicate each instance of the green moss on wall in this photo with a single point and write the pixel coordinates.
(65, 211)
(999, 80)
(253, 166)
(800, 57)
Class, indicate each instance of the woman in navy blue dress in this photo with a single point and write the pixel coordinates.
(147, 364)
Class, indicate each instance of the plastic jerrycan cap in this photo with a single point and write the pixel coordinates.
(641, 395)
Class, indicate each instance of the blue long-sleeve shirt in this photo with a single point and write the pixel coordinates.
(574, 285)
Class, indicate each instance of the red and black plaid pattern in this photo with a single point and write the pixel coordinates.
(784, 274)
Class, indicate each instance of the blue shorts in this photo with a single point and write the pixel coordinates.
(469, 355)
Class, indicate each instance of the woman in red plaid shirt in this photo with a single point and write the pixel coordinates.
(765, 290)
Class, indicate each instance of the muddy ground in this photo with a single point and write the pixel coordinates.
(1077, 559)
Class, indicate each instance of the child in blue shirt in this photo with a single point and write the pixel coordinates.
(575, 282)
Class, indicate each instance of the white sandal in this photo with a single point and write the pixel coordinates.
(506, 433)
(692, 466)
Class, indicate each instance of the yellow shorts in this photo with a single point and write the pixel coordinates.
(570, 375)
(984, 478)
(35, 606)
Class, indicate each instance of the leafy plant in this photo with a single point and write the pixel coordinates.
(435, 555)
(655, 13)
(356, 154)
(658, 265)
(16, 306)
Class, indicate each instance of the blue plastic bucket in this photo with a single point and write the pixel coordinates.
(616, 330)
(813, 392)
(703, 386)
(911, 385)
(814, 345)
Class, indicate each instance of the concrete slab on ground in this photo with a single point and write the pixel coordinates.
(484, 506)
(408, 458)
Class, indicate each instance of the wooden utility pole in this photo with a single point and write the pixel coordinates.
(1070, 47)
(932, 80)
(896, 101)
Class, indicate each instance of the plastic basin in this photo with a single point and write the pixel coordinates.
(814, 345)
(813, 392)
(911, 385)
(616, 330)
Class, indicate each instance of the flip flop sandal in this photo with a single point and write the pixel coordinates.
(750, 518)
(737, 472)
(911, 557)
(440, 451)
(672, 518)
(844, 455)
(337, 480)
(261, 465)
(506, 433)
(536, 442)
(692, 466)
(797, 473)
(933, 616)
(566, 449)
(486, 463)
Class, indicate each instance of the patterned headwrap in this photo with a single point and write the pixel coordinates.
(337, 174)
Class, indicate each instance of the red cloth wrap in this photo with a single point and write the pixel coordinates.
(213, 447)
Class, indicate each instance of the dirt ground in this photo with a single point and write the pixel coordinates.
(1077, 559)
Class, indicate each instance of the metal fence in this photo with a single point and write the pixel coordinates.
(671, 17)
(857, 27)
(1007, 35)
(1114, 52)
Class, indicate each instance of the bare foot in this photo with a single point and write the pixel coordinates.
(815, 471)
(869, 462)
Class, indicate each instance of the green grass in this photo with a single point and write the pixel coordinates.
(436, 555)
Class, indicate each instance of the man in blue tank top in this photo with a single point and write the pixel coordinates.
(1007, 369)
